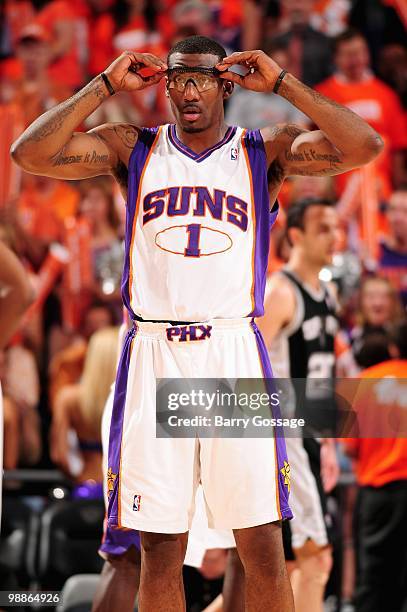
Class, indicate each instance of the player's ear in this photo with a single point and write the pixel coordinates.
(167, 91)
(228, 88)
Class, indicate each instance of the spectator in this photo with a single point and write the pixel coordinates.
(393, 249)
(14, 16)
(393, 69)
(381, 22)
(101, 30)
(21, 394)
(34, 91)
(355, 86)
(135, 22)
(381, 470)
(255, 110)
(379, 306)
(59, 20)
(309, 50)
(98, 208)
(191, 18)
(79, 407)
(66, 365)
(42, 207)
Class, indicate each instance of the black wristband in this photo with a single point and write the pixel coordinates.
(108, 84)
(278, 82)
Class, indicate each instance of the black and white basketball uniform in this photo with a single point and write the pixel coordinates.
(304, 351)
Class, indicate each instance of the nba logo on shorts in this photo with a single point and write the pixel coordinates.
(136, 503)
(233, 153)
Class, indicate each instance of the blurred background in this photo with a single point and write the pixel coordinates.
(70, 237)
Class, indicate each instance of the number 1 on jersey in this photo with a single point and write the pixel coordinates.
(194, 232)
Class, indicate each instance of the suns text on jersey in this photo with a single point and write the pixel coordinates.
(198, 201)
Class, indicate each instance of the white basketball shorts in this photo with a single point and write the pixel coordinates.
(152, 481)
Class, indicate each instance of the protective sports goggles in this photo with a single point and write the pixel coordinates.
(203, 78)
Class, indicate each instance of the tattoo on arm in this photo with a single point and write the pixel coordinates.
(90, 157)
(334, 164)
(320, 100)
(290, 130)
(127, 134)
(46, 126)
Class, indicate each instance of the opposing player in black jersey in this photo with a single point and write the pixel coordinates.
(299, 328)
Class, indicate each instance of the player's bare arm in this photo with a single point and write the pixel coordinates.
(279, 308)
(51, 147)
(342, 142)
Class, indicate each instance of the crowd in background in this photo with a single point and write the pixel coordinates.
(70, 234)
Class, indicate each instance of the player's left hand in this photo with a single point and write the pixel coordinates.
(262, 73)
(329, 465)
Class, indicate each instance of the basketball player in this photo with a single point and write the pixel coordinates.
(120, 548)
(299, 328)
(198, 225)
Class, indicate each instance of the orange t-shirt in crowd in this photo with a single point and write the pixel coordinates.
(66, 69)
(379, 105)
(41, 212)
(382, 460)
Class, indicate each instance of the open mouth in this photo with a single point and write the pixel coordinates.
(191, 114)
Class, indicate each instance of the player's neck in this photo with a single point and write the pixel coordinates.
(306, 272)
(200, 141)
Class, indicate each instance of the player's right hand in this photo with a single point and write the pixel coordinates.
(133, 71)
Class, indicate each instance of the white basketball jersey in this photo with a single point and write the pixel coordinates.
(197, 227)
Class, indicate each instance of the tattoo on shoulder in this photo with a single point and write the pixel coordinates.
(126, 133)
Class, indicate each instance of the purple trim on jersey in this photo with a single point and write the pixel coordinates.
(116, 430)
(137, 162)
(265, 219)
(117, 541)
(198, 157)
(281, 450)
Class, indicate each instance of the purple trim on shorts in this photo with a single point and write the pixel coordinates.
(137, 162)
(116, 430)
(279, 437)
(117, 541)
(264, 218)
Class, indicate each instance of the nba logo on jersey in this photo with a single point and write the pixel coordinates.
(136, 503)
(234, 153)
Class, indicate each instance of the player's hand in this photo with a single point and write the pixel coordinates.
(135, 71)
(262, 71)
(329, 465)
